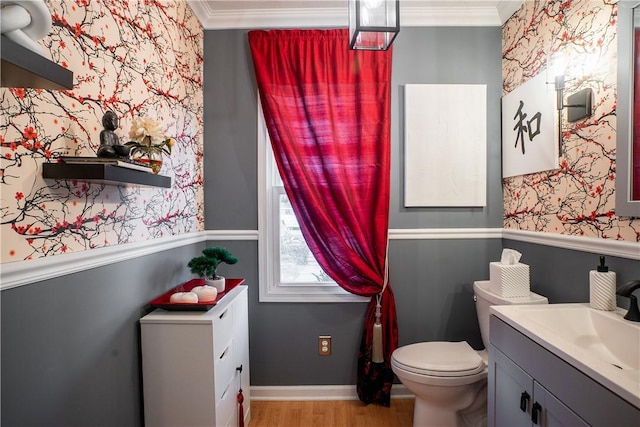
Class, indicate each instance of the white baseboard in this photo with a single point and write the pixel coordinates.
(319, 392)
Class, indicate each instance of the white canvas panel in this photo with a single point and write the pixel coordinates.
(445, 145)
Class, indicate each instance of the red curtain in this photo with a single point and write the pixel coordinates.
(327, 110)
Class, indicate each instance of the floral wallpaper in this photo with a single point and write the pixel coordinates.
(579, 198)
(138, 58)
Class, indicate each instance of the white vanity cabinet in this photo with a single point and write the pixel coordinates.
(191, 364)
(529, 385)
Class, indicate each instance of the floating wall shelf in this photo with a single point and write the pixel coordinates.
(104, 174)
(23, 68)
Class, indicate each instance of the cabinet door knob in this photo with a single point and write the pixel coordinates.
(524, 401)
(535, 410)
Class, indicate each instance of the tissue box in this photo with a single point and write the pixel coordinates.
(509, 280)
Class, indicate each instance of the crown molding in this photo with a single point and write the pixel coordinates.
(506, 8)
(268, 18)
(323, 17)
(479, 16)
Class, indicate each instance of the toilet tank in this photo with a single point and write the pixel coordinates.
(484, 299)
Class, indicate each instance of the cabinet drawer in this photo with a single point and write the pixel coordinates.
(226, 409)
(222, 330)
(224, 370)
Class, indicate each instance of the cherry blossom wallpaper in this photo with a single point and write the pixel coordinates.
(138, 58)
(578, 198)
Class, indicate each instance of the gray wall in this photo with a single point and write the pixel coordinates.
(432, 279)
(447, 56)
(562, 275)
(71, 345)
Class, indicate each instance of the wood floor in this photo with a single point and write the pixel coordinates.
(341, 413)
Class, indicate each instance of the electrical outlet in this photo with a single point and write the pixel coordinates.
(324, 345)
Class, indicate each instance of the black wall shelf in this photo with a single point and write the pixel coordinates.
(23, 68)
(104, 174)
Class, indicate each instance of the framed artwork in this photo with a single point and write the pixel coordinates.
(529, 121)
(445, 154)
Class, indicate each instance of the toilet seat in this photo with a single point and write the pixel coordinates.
(439, 359)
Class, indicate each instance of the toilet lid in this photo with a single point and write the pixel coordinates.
(441, 359)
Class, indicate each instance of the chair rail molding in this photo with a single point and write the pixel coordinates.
(610, 247)
(231, 234)
(19, 273)
(444, 233)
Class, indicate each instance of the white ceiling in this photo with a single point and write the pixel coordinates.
(223, 14)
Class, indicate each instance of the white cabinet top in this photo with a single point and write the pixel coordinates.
(166, 316)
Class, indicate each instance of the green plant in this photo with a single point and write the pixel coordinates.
(206, 264)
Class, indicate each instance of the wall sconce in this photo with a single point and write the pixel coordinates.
(578, 105)
(373, 24)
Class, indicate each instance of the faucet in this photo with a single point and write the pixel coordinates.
(626, 291)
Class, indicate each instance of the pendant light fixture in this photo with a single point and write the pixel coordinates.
(373, 24)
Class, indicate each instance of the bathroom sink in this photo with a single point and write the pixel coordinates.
(602, 344)
(603, 333)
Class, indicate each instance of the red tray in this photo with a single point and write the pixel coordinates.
(164, 300)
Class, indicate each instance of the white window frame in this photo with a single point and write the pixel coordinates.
(270, 287)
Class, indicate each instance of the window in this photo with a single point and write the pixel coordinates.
(288, 270)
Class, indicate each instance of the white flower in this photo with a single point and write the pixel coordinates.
(147, 137)
(144, 127)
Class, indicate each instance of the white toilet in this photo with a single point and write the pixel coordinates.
(449, 378)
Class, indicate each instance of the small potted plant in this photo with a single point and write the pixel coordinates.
(205, 265)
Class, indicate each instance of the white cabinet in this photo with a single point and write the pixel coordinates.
(195, 363)
(529, 385)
